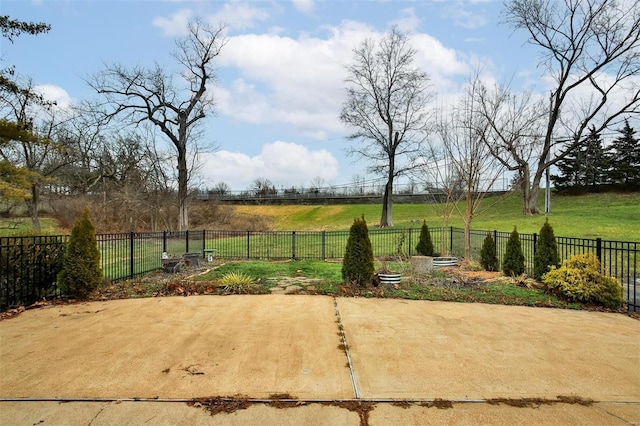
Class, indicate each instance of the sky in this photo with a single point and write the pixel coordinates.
(281, 76)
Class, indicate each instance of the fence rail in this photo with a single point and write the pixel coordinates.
(29, 265)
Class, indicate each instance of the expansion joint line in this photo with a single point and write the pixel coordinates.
(345, 345)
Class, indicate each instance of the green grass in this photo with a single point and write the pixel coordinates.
(16, 227)
(608, 216)
(330, 275)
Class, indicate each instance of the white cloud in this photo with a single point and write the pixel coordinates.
(55, 94)
(284, 163)
(239, 15)
(300, 81)
(408, 21)
(303, 6)
(175, 25)
(463, 17)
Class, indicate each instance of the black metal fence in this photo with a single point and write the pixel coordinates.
(29, 265)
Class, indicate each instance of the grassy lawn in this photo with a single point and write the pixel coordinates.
(608, 216)
(430, 287)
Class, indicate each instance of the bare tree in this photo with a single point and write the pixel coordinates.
(387, 106)
(472, 169)
(591, 50)
(138, 95)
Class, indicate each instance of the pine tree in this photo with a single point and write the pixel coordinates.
(357, 265)
(425, 245)
(594, 161)
(81, 272)
(626, 157)
(570, 177)
(546, 251)
(513, 263)
(584, 168)
(488, 256)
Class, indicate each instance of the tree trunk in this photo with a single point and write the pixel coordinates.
(530, 193)
(32, 206)
(387, 205)
(183, 218)
(468, 217)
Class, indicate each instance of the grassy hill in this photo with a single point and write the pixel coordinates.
(609, 216)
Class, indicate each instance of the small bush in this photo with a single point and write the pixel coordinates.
(513, 264)
(425, 245)
(81, 272)
(579, 280)
(237, 282)
(546, 252)
(357, 264)
(488, 256)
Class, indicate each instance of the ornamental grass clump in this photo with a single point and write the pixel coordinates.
(546, 252)
(357, 264)
(81, 272)
(579, 280)
(425, 245)
(513, 264)
(238, 282)
(488, 256)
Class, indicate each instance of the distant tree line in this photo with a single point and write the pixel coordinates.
(593, 167)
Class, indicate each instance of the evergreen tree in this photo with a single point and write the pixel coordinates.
(626, 157)
(594, 167)
(546, 251)
(513, 263)
(585, 168)
(488, 256)
(425, 245)
(570, 177)
(81, 272)
(357, 265)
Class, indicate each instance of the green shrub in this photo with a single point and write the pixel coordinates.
(357, 265)
(546, 252)
(425, 245)
(81, 272)
(579, 279)
(238, 282)
(488, 256)
(513, 264)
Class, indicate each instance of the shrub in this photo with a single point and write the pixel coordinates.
(81, 271)
(546, 252)
(513, 264)
(488, 256)
(579, 279)
(425, 245)
(237, 282)
(357, 265)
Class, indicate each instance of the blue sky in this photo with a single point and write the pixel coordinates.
(281, 75)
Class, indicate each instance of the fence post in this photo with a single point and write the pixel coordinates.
(323, 246)
(495, 240)
(131, 265)
(204, 242)
(599, 249)
(186, 247)
(293, 245)
(410, 245)
(451, 239)
(248, 243)
(535, 242)
(164, 241)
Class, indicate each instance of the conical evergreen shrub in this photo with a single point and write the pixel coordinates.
(513, 264)
(357, 265)
(425, 245)
(488, 256)
(546, 252)
(81, 272)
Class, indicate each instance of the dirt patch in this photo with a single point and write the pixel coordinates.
(362, 408)
(221, 404)
(284, 400)
(537, 402)
(440, 404)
